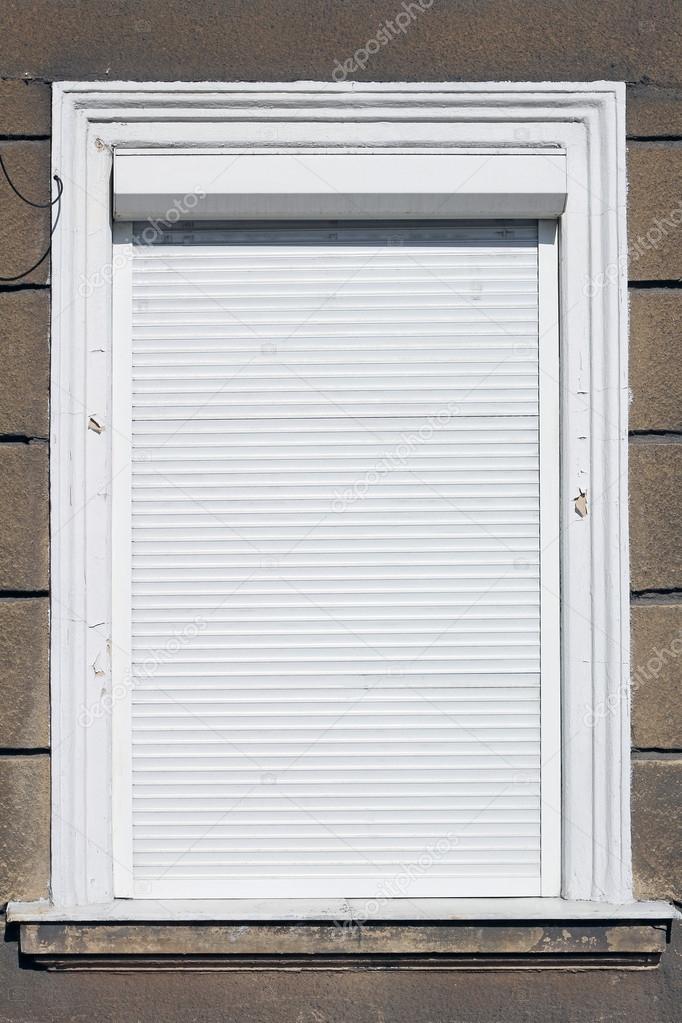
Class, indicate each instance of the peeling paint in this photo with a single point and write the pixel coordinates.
(99, 673)
(580, 503)
(94, 425)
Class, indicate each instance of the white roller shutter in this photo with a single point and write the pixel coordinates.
(328, 560)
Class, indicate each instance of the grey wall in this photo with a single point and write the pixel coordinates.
(632, 40)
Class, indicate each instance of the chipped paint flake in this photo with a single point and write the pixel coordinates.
(580, 503)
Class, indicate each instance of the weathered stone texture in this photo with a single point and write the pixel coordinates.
(24, 230)
(24, 682)
(24, 108)
(657, 828)
(653, 112)
(655, 210)
(24, 363)
(24, 512)
(324, 996)
(657, 676)
(656, 359)
(372, 939)
(495, 40)
(655, 503)
(24, 827)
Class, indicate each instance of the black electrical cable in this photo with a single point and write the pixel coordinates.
(38, 206)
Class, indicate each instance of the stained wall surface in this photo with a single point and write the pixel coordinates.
(639, 42)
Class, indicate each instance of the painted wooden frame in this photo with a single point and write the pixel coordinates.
(587, 121)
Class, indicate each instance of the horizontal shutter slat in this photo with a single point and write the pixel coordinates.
(335, 595)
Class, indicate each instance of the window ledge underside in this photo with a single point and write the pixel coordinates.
(422, 933)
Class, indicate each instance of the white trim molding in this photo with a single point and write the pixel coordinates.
(582, 125)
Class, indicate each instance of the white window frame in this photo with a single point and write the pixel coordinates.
(586, 121)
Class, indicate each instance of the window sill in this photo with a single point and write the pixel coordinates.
(423, 934)
(336, 910)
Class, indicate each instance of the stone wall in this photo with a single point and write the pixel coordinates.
(638, 42)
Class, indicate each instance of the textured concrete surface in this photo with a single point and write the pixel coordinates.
(24, 515)
(654, 112)
(24, 827)
(237, 939)
(655, 502)
(320, 996)
(25, 363)
(24, 682)
(24, 108)
(24, 231)
(656, 359)
(252, 40)
(656, 674)
(657, 828)
(655, 210)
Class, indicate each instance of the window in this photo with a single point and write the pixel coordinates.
(339, 545)
(340, 622)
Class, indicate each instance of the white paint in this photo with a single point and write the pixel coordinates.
(221, 910)
(550, 568)
(121, 560)
(587, 120)
(227, 185)
(409, 674)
